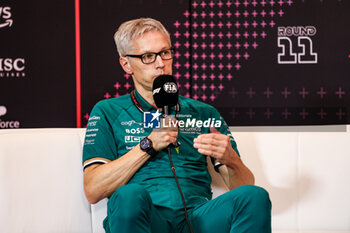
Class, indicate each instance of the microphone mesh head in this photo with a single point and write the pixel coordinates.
(165, 91)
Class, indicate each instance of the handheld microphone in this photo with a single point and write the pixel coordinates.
(166, 95)
(165, 92)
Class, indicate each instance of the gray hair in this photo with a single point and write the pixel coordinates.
(132, 29)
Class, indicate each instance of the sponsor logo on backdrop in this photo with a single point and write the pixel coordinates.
(5, 17)
(7, 124)
(3, 111)
(296, 45)
(12, 67)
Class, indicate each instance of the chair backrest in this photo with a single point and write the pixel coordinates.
(306, 174)
(41, 183)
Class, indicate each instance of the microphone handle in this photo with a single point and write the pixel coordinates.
(166, 113)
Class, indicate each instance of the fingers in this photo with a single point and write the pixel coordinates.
(213, 130)
(209, 147)
(213, 144)
(170, 137)
(210, 150)
(211, 138)
(162, 139)
(211, 153)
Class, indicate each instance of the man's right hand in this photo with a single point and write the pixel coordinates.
(101, 180)
(165, 135)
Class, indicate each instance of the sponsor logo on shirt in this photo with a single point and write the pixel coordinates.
(132, 139)
(129, 123)
(134, 131)
(91, 130)
(91, 133)
(92, 123)
(94, 118)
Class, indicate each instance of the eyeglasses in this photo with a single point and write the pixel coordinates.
(148, 58)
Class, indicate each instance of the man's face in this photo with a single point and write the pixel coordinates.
(144, 74)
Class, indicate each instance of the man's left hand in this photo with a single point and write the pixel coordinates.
(217, 145)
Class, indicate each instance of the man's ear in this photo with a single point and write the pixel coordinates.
(125, 63)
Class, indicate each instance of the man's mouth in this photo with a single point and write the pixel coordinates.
(161, 74)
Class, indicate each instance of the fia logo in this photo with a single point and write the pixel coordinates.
(302, 53)
(151, 120)
(5, 14)
(170, 87)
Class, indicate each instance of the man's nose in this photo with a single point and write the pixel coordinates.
(159, 61)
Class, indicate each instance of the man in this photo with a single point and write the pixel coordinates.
(138, 179)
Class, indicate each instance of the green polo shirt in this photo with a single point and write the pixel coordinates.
(116, 126)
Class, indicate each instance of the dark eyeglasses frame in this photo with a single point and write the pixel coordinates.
(172, 51)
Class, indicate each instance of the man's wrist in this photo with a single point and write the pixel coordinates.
(146, 145)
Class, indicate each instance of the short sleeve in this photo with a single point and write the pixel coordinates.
(99, 139)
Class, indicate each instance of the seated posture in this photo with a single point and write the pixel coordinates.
(129, 163)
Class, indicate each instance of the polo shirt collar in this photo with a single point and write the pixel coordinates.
(145, 105)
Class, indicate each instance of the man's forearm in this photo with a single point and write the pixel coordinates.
(236, 174)
(101, 181)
